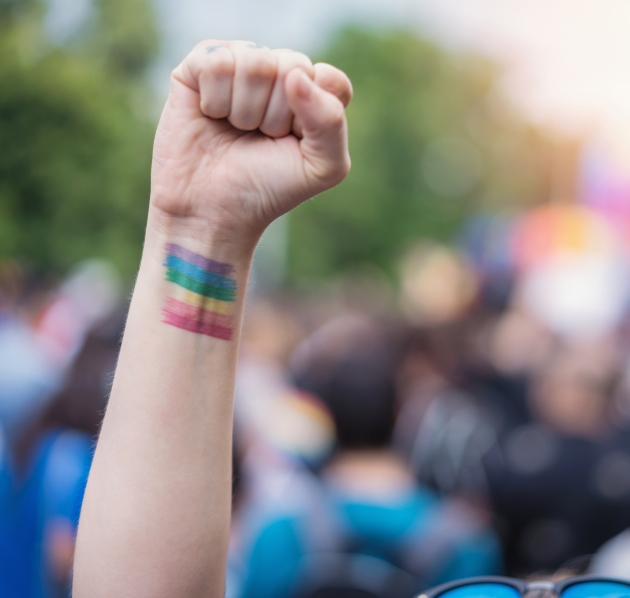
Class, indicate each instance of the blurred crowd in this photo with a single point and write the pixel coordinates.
(472, 420)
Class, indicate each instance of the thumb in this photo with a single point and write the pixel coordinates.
(324, 144)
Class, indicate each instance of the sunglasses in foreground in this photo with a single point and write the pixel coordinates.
(506, 587)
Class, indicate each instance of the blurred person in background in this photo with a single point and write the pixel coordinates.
(453, 399)
(443, 428)
(282, 435)
(46, 457)
(484, 364)
(296, 533)
(378, 508)
(64, 435)
(270, 332)
(27, 382)
(560, 484)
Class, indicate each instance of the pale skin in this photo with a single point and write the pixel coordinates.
(246, 135)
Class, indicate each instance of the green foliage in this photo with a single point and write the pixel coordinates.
(75, 159)
(431, 141)
(127, 32)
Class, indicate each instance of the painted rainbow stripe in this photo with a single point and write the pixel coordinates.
(220, 307)
(199, 260)
(204, 293)
(199, 274)
(201, 288)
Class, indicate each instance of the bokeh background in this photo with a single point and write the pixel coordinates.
(434, 378)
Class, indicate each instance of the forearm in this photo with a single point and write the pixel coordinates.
(156, 514)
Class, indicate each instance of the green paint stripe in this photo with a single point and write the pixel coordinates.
(207, 290)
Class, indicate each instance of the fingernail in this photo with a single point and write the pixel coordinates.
(305, 87)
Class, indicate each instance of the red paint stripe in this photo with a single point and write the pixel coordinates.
(204, 316)
(186, 310)
(216, 331)
(194, 325)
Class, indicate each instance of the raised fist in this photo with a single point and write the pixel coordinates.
(247, 134)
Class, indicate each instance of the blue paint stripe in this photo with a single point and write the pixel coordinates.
(199, 274)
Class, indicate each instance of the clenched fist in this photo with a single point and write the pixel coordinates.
(247, 134)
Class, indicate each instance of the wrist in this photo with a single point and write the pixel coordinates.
(193, 275)
(207, 235)
(207, 239)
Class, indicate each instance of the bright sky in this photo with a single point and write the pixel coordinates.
(568, 60)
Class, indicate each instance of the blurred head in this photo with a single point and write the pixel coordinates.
(350, 365)
(574, 392)
(437, 285)
(518, 343)
(82, 400)
(433, 357)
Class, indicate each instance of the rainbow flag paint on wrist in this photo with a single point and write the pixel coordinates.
(204, 293)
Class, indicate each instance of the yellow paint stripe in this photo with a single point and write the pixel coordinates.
(220, 307)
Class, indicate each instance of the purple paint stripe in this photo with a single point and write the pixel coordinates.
(198, 260)
(194, 325)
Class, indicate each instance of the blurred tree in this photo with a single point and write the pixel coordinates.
(431, 141)
(75, 131)
(127, 34)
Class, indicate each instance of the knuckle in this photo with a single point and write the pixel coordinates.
(221, 64)
(202, 45)
(182, 75)
(259, 64)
